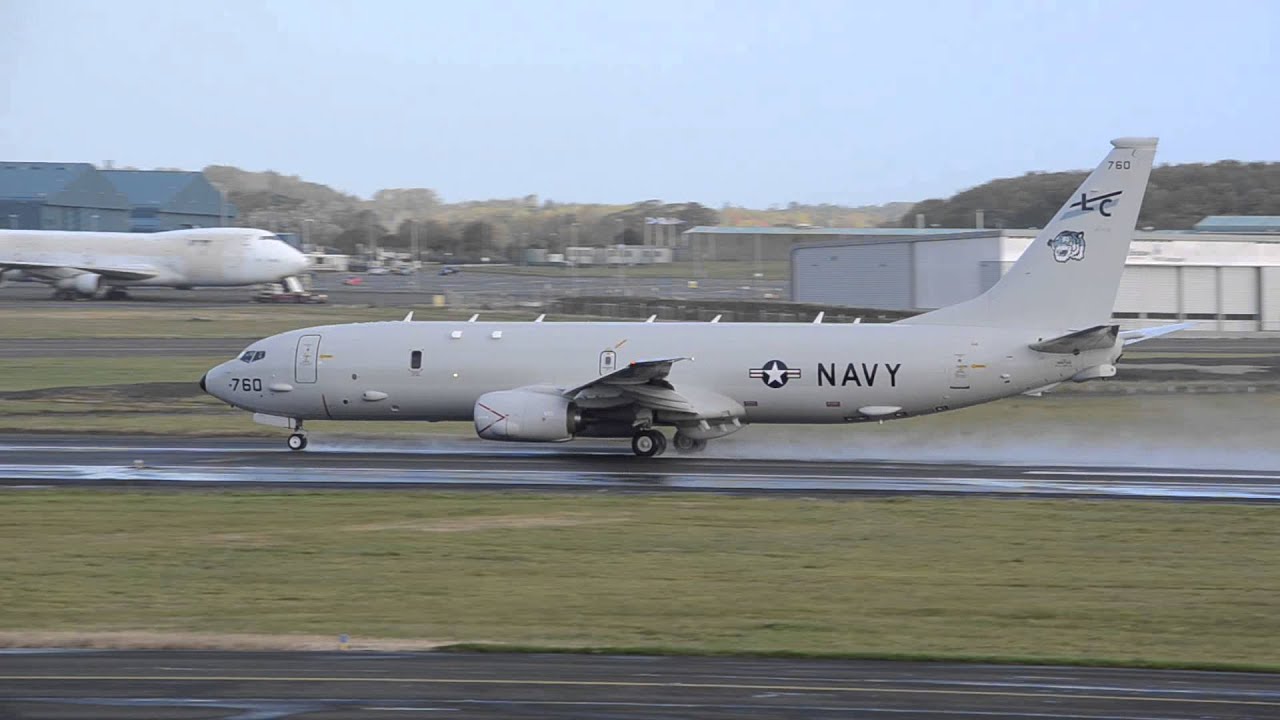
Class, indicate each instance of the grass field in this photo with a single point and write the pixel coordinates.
(76, 321)
(1152, 582)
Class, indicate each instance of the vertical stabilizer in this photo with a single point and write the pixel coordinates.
(1069, 276)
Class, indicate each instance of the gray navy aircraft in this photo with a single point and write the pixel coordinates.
(1047, 321)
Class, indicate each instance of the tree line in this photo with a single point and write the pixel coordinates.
(1178, 196)
(498, 228)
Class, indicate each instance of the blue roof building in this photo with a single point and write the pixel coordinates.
(171, 200)
(1239, 224)
(59, 196)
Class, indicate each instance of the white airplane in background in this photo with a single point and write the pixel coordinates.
(1047, 321)
(79, 264)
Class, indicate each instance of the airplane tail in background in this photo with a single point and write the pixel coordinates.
(1069, 276)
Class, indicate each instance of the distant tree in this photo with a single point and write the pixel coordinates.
(1178, 196)
(477, 239)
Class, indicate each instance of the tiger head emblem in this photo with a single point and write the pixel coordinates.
(1067, 245)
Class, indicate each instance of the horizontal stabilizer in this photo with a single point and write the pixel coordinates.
(1094, 338)
(1133, 336)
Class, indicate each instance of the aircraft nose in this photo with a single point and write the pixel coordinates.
(298, 261)
(203, 388)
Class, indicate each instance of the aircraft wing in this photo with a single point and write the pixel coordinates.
(1094, 338)
(1135, 336)
(110, 272)
(644, 384)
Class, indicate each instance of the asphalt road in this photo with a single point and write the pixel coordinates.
(147, 685)
(114, 461)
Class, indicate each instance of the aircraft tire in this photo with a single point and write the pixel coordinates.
(685, 444)
(297, 441)
(648, 443)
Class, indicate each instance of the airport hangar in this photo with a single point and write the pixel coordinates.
(79, 196)
(1225, 274)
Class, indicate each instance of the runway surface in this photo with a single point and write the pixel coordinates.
(469, 286)
(28, 460)
(146, 685)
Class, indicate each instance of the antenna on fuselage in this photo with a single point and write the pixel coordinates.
(541, 317)
(409, 317)
(474, 317)
(716, 319)
(651, 318)
(818, 320)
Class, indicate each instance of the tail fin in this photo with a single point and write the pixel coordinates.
(1069, 276)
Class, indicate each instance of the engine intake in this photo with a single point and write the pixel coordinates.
(525, 416)
(84, 284)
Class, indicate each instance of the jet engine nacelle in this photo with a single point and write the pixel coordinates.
(525, 416)
(85, 284)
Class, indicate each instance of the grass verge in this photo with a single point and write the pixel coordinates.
(78, 321)
(1143, 584)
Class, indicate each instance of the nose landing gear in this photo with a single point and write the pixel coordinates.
(297, 441)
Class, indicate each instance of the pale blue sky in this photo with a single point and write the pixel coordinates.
(752, 103)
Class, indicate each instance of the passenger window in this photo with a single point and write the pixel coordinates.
(415, 360)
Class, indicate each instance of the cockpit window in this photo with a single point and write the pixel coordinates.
(253, 355)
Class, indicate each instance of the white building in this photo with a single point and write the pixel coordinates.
(327, 262)
(1227, 281)
(617, 255)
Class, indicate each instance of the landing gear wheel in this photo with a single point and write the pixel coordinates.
(649, 443)
(117, 293)
(297, 441)
(686, 444)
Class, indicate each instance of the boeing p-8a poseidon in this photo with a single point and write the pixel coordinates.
(1045, 322)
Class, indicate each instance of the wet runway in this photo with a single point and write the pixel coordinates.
(32, 460)
(146, 685)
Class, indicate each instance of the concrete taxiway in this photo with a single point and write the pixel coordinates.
(27, 460)
(143, 685)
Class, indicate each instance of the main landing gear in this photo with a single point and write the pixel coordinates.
(685, 444)
(116, 293)
(649, 443)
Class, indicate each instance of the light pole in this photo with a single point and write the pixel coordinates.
(622, 258)
(413, 243)
(573, 261)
